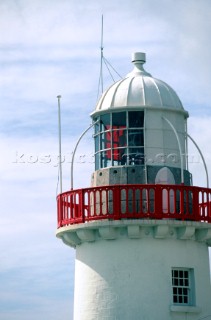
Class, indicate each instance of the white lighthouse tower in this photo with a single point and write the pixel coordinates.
(142, 230)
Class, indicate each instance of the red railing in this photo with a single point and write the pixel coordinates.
(134, 202)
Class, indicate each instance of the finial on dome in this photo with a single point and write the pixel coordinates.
(139, 57)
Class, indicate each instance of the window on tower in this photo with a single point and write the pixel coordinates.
(183, 286)
(119, 139)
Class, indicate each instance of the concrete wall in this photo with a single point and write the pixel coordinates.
(134, 175)
(125, 279)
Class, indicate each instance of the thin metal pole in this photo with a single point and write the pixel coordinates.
(145, 162)
(180, 148)
(205, 166)
(186, 146)
(74, 151)
(60, 147)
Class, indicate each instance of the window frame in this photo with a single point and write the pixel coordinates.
(181, 287)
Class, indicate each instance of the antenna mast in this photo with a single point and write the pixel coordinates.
(107, 64)
(101, 60)
(60, 148)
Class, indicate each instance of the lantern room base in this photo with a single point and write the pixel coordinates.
(74, 235)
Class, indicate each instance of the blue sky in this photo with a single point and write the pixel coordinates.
(51, 47)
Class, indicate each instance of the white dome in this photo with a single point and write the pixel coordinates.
(139, 89)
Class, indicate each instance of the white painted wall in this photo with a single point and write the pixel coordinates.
(130, 279)
(160, 138)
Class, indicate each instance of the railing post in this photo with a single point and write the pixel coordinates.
(196, 209)
(209, 209)
(182, 199)
(59, 211)
(81, 202)
(158, 205)
(117, 202)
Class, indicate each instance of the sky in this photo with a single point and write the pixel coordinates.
(50, 48)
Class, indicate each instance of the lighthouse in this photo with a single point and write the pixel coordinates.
(141, 230)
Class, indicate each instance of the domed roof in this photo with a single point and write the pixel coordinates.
(139, 89)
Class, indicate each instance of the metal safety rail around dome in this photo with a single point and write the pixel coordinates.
(135, 201)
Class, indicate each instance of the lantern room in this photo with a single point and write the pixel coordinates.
(141, 125)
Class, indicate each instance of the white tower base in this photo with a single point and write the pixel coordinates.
(124, 269)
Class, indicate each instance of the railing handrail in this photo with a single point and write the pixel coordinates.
(164, 186)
